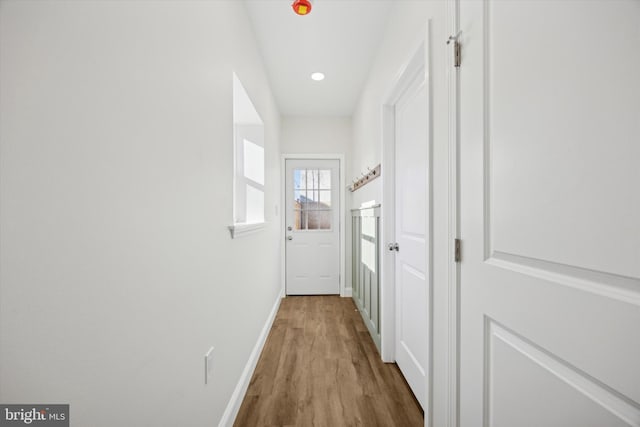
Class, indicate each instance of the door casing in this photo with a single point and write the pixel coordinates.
(419, 61)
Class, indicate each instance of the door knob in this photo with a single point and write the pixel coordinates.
(289, 237)
(289, 228)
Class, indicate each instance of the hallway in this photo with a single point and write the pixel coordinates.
(319, 367)
(170, 169)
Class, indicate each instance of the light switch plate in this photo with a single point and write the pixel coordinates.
(208, 366)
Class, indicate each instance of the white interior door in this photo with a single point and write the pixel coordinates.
(312, 227)
(412, 234)
(550, 209)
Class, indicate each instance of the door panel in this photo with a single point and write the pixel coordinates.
(411, 191)
(313, 228)
(550, 275)
(522, 370)
(543, 91)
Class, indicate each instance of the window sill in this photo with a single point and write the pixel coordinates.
(241, 230)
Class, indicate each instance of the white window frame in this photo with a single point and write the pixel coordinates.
(247, 126)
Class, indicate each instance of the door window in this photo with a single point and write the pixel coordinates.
(312, 199)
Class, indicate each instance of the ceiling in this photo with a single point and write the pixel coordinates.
(339, 38)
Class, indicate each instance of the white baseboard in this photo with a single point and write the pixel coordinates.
(233, 406)
(348, 292)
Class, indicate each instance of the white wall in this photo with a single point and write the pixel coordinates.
(117, 271)
(311, 135)
(405, 28)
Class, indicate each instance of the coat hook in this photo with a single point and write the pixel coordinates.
(365, 177)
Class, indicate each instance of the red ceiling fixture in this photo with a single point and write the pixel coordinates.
(302, 7)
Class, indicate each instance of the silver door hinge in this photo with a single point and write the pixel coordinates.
(457, 49)
(457, 252)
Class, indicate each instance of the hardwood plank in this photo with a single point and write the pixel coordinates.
(319, 367)
(262, 381)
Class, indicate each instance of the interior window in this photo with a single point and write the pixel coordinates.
(248, 143)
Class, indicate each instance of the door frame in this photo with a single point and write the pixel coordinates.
(449, 318)
(341, 214)
(419, 61)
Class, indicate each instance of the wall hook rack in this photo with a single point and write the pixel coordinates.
(366, 178)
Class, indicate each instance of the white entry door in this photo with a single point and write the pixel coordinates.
(412, 234)
(312, 227)
(550, 213)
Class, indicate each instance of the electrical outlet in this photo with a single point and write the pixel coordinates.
(208, 366)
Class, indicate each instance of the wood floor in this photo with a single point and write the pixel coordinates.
(319, 367)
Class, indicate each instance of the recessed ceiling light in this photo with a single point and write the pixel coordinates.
(317, 76)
